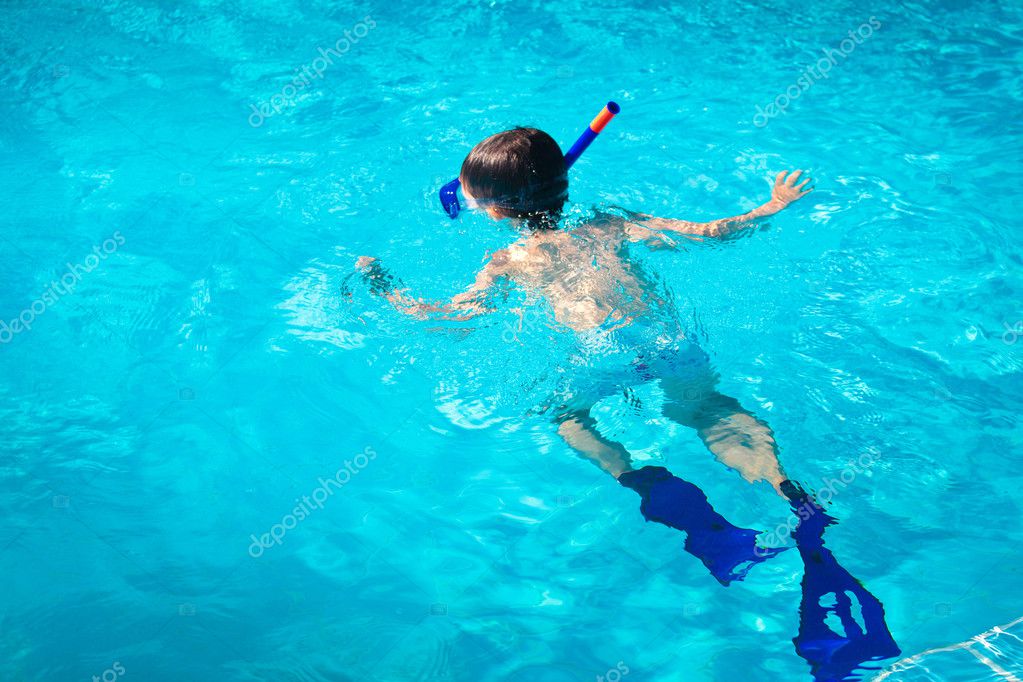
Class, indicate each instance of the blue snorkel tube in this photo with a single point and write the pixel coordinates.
(449, 192)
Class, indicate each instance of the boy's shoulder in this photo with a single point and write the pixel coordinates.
(511, 259)
(505, 259)
(603, 223)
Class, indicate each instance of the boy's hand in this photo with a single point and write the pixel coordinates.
(380, 281)
(784, 193)
(786, 190)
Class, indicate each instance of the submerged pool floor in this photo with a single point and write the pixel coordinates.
(226, 460)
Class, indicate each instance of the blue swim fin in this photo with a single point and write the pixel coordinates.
(833, 657)
(729, 552)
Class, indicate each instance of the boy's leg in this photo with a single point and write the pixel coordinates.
(733, 434)
(726, 550)
(579, 429)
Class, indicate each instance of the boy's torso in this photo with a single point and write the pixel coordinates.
(585, 275)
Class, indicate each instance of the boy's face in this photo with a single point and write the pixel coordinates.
(472, 205)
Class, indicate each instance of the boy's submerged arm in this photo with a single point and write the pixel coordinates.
(650, 229)
(463, 306)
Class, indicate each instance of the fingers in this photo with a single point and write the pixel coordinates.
(790, 182)
(781, 181)
(804, 183)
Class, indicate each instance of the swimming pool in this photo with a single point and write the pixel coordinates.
(193, 356)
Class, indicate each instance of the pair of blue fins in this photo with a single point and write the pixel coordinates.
(729, 552)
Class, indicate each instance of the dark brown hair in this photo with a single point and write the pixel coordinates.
(520, 172)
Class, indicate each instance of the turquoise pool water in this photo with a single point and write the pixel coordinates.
(192, 356)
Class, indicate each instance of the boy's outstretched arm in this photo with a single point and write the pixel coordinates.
(463, 306)
(643, 227)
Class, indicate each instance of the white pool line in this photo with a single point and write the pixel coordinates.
(981, 639)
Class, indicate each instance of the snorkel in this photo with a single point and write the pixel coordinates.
(449, 192)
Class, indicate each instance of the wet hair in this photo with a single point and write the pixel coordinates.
(520, 172)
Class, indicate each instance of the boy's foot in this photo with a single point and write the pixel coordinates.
(729, 552)
(833, 655)
(813, 518)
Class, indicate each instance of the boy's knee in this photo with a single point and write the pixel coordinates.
(580, 417)
(719, 405)
(700, 407)
(568, 429)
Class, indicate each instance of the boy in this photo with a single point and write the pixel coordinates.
(594, 289)
(626, 334)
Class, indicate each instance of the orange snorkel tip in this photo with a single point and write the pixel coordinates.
(609, 111)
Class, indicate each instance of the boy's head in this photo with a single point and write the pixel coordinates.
(519, 173)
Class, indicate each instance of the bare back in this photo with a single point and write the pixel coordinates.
(585, 274)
